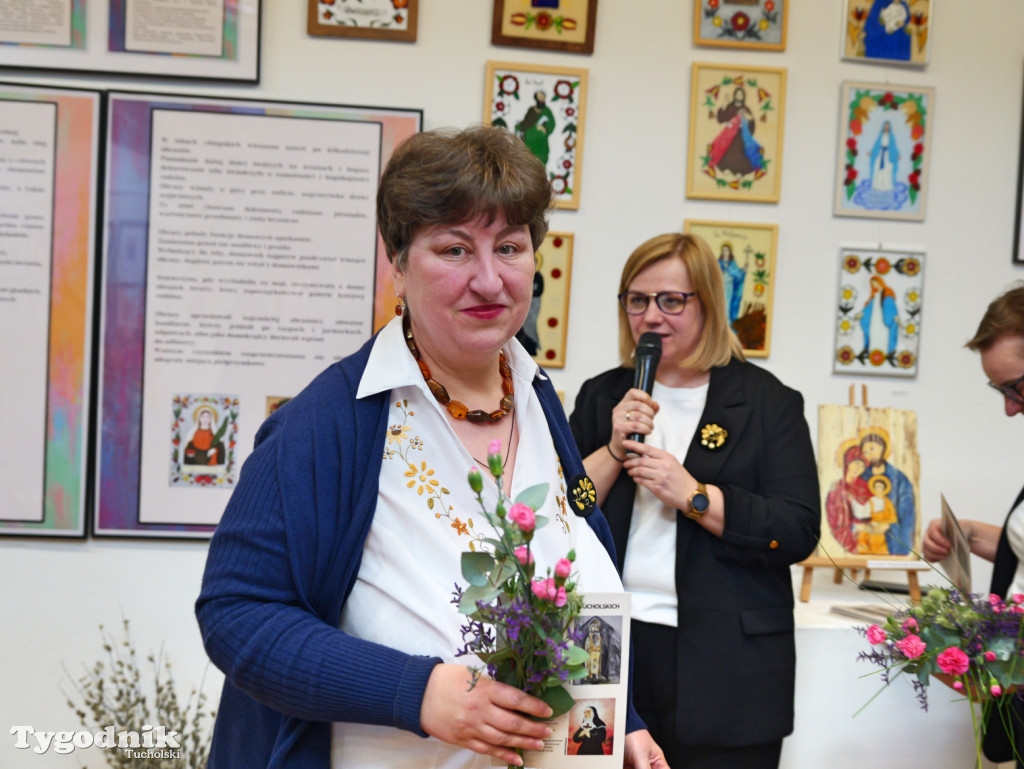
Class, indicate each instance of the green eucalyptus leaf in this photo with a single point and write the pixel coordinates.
(533, 497)
(577, 655)
(558, 699)
(541, 521)
(476, 567)
(475, 593)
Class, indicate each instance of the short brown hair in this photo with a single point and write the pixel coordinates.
(718, 344)
(1004, 317)
(449, 176)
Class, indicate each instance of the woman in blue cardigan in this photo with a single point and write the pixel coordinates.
(327, 594)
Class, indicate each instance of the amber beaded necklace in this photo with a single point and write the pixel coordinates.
(458, 409)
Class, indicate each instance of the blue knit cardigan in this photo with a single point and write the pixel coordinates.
(282, 563)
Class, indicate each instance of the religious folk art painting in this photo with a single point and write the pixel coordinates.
(746, 256)
(543, 106)
(274, 402)
(869, 471)
(377, 19)
(736, 119)
(591, 728)
(885, 144)
(887, 31)
(202, 440)
(602, 641)
(754, 24)
(560, 25)
(545, 329)
(878, 321)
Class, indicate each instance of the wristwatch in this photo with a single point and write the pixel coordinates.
(698, 502)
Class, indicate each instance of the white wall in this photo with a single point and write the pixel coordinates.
(55, 593)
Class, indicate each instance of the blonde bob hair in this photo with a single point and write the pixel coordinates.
(718, 344)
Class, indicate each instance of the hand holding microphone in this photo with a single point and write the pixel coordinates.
(648, 355)
(633, 417)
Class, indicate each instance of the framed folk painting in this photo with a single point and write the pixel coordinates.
(546, 327)
(755, 24)
(545, 107)
(746, 256)
(557, 25)
(736, 120)
(878, 322)
(375, 19)
(885, 144)
(887, 31)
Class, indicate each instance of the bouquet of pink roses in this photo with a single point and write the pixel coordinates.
(971, 643)
(520, 625)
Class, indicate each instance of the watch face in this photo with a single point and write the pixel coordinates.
(700, 503)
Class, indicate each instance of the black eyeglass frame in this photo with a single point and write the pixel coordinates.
(657, 296)
(1010, 390)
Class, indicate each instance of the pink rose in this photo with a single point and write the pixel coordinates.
(523, 516)
(524, 555)
(1017, 609)
(912, 646)
(563, 567)
(876, 635)
(994, 600)
(544, 589)
(990, 656)
(1017, 597)
(560, 598)
(996, 690)
(953, 661)
(909, 624)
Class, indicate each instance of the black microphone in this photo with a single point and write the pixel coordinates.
(648, 355)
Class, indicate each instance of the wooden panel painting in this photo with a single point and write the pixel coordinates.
(545, 329)
(746, 255)
(869, 471)
(884, 147)
(878, 323)
(736, 119)
(887, 31)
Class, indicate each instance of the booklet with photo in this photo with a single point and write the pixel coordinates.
(958, 563)
(592, 734)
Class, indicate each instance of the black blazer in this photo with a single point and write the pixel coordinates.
(736, 654)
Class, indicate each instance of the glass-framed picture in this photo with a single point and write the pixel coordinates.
(736, 122)
(883, 153)
(887, 31)
(546, 327)
(755, 24)
(545, 107)
(374, 19)
(878, 320)
(746, 256)
(555, 25)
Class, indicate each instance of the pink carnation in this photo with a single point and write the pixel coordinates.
(990, 656)
(912, 646)
(524, 555)
(996, 690)
(523, 516)
(958, 685)
(953, 661)
(876, 635)
(1017, 597)
(544, 589)
(994, 600)
(561, 598)
(494, 447)
(909, 624)
(563, 567)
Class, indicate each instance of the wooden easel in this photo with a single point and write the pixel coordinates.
(840, 565)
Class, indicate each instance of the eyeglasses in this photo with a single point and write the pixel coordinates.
(669, 302)
(1011, 391)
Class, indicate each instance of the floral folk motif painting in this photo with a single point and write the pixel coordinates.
(887, 31)
(885, 140)
(543, 106)
(869, 471)
(878, 322)
(545, 329)
(561, 25)
(736, 119)
(378, 19)
(202, 441)
(746, 256)
(756, 24)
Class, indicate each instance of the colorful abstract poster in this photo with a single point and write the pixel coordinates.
(878, 323)
(49, 143)
(884, 148)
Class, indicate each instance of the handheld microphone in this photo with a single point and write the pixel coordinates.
(648, 355)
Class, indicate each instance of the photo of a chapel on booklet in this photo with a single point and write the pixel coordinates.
(592, 733)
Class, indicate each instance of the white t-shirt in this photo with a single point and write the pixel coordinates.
(649, 570)
(426, 517)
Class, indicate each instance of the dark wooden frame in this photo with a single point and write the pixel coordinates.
(587, 46)
(313, 27)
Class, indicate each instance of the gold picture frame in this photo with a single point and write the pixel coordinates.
(730, 158)
(750, 288)
(546, 107)
(545, 331)
(558, 25)
(375, 20)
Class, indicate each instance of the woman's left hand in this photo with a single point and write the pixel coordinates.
(642, 752)
(659, 472)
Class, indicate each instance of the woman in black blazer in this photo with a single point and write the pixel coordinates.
(707, 513)
(1000, 340)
